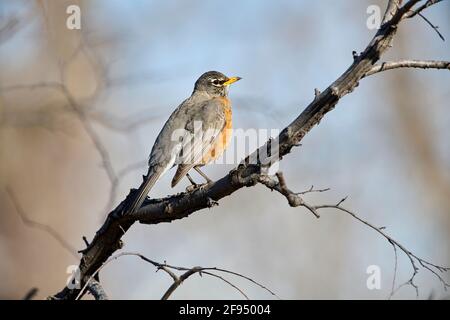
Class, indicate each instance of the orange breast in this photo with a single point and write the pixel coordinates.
(224, 138)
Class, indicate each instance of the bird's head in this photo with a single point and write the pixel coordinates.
(214, 83)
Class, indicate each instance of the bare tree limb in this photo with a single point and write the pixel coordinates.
(422, 64)
(177, 280)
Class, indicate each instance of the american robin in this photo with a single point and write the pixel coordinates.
(196, 133)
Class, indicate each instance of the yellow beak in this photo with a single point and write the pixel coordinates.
(231, 80)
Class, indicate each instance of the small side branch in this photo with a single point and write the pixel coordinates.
(418, 10)
(31, 294)
(422, 64)
(433, 26)
(294, 199)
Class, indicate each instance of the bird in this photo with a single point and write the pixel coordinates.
(197, 132)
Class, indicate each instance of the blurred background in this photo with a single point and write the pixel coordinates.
(66, 163)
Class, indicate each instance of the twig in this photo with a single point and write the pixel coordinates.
(30, 294)
(418, 11)
(85, 240)
(311, 190)
(227, 282)
(428, 3)
(435, 28)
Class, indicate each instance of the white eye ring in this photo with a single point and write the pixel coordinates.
(215, 82)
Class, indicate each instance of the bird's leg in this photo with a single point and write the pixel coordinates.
(191, 180)
(208, 180)
(193, 184)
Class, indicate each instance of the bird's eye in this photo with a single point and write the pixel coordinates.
(216, 82)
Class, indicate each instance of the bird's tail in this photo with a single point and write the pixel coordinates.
(144, 189)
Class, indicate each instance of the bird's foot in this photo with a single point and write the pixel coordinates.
(196, 186)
